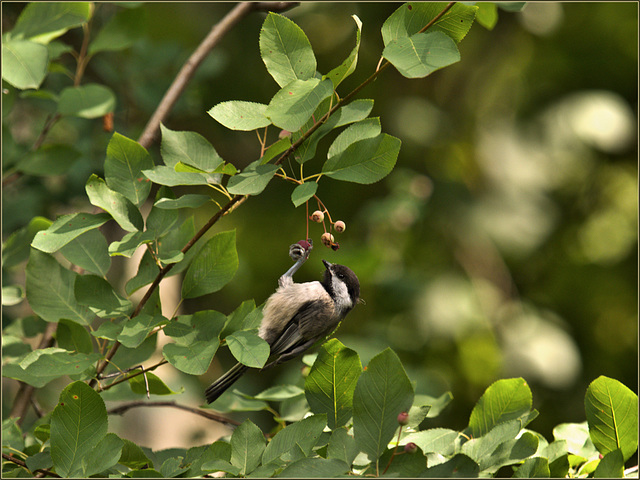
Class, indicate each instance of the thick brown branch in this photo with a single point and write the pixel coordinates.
(203, 413)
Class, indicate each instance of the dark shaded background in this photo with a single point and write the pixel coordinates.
(503, 244)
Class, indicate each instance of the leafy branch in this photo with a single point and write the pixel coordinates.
(171, 96)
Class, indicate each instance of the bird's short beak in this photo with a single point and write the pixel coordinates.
(326, 264)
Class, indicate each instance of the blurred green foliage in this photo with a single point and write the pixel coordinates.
(503, 244)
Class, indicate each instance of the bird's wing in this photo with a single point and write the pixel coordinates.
(304, 326)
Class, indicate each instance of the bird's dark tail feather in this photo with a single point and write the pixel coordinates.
(218, 387)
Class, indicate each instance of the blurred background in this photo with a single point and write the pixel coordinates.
(503, 244)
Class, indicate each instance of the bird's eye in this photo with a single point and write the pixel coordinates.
(341, 276)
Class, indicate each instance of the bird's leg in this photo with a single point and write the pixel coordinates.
(298, 253)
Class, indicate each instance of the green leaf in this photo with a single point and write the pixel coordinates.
(78, 424)
(459, 466)
(577, 439)
(611, 465)
(303, 192)
(295, 441)
(73, 337)
(239, 115)
(366, 161)
(39, 367)
(123, 168)
(65, 229)
(346, 68)
(133, 457)
(369, 128)
(253, 179)
(156, 385)
(132, 357)
(189, 148)
(49, 160)
(175, 240)
(247, 445)
(163, 175)
(411, 17)
(104, 455)
(342, 446)
(108, 331)
(612, 414)
(15, 249)
(190, 200)
(294, 104)
(204, 325)
(86, 101)
(248, 348)
(117, 205)
(504, 400)
(487, 15)
(535, 467)
(193, 359)
(50, 290)
(120, 32)
(135, 330)
(438, 440)
(275, 149)
(404, 466)
(24, 63)
(97, 294)
(499, 446)
(331, 382)
(285, 50)
(232, 402)
(44, 21)
(147, 272)
(161, 221)
(421, 54)
(12, 295)
(196, 339)
(280, 393)
(353, 112)
(213, 267)
(128, 245)
(382, 392)
(185, 201)
(90, 252)
(315, 468)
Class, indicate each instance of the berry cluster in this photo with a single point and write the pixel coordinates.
(327, 238)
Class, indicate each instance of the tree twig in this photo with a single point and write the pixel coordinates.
(196, 411)
(24, 465)
(23, 397)
(189, 68)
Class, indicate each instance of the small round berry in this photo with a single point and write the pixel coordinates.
(335, 246)
(317, 216)
(340, 226)
(327, 239)
(410, 448)
(403, 418)
(284, 133)
(305, 244)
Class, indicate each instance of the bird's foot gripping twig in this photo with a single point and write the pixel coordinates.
(299, 252)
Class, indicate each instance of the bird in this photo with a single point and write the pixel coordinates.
(297, 315)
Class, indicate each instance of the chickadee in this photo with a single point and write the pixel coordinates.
(299, 314)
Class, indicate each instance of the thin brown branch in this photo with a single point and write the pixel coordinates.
(236, 200)
(24, 465)
(196, 411)
(134, 374)
(187, 71)
(25, 392)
